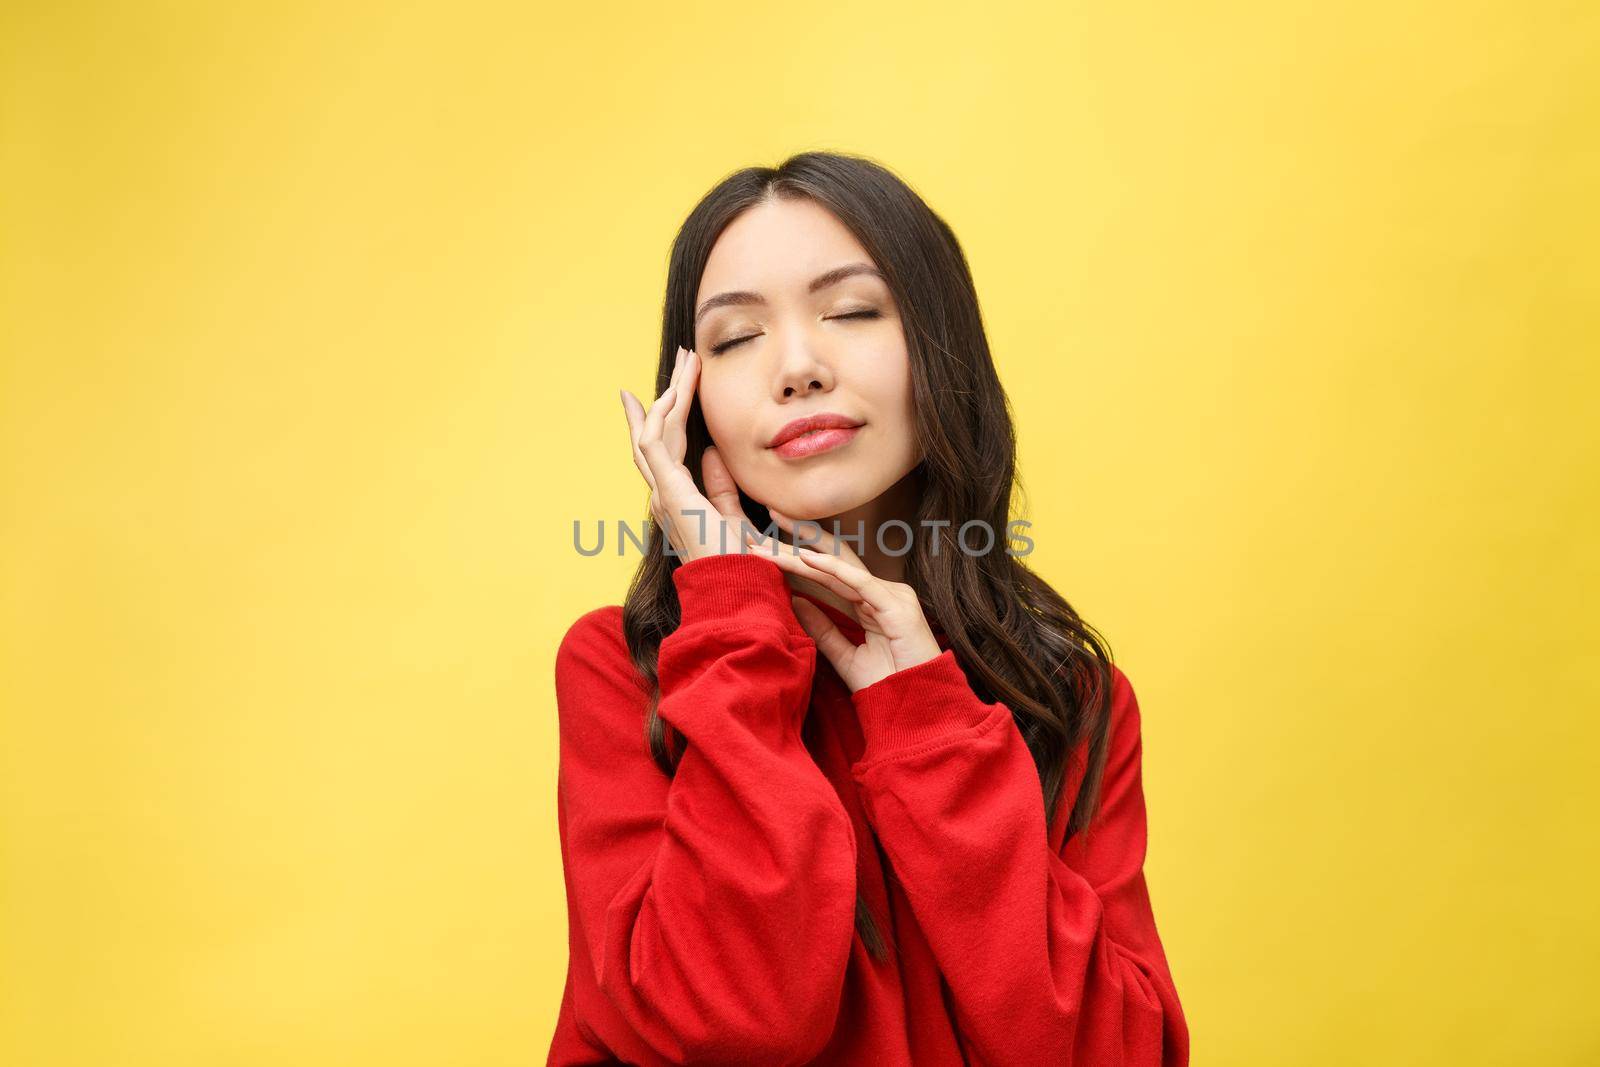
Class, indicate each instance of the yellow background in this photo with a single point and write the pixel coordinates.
(313, 318)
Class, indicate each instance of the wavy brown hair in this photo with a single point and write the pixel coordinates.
(1018, 641)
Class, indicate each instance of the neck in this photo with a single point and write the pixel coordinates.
(899, 501)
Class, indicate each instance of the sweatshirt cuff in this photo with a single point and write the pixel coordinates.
(917, 707)
(735, 590)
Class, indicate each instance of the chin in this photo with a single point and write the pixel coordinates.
(816, 498)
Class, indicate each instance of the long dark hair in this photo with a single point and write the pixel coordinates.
(1016, 638)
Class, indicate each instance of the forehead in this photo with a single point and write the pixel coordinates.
(778, 245)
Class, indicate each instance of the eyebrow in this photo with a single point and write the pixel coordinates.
(821, 281)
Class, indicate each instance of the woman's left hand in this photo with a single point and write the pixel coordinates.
(896, 631)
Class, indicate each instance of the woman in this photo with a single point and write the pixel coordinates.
(924, 845)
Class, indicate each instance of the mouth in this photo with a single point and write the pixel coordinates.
(813, 434)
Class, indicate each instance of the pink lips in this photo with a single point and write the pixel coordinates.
(813, 434)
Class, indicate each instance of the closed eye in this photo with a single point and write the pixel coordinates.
(868, 313)
(718, 349)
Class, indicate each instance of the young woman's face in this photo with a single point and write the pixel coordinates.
(794, 321)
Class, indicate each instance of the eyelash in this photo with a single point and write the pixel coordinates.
(717, 350)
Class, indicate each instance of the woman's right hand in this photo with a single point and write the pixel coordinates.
(696, 524)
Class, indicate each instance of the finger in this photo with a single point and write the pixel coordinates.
(721, 489)
(673, 388)
(677, 362)
(673, 434)
(635, 415)
(656, 418)
(866, 586)
(650, 442)
(688, 376)
(771, 546)
(678, 499)
(815, 535)
(831, 641)
(672, 376)
(660, 470)
(786, 557)
(723, 492)
(651, 432)
(794, 561)
(658, 410)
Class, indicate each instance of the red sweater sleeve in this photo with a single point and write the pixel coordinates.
(1049, 957)
(710, 914)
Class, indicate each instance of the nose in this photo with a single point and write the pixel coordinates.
(801, 369)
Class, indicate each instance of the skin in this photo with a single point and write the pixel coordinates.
(789, 354)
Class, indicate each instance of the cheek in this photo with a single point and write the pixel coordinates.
(724, 414)
(890, 385)
(895, 401)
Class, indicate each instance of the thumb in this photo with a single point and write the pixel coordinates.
(830, 641)
(721, 489)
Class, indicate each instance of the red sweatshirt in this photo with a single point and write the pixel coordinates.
(711, 916)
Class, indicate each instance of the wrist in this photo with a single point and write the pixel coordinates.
(735, 589)
(917, 705)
